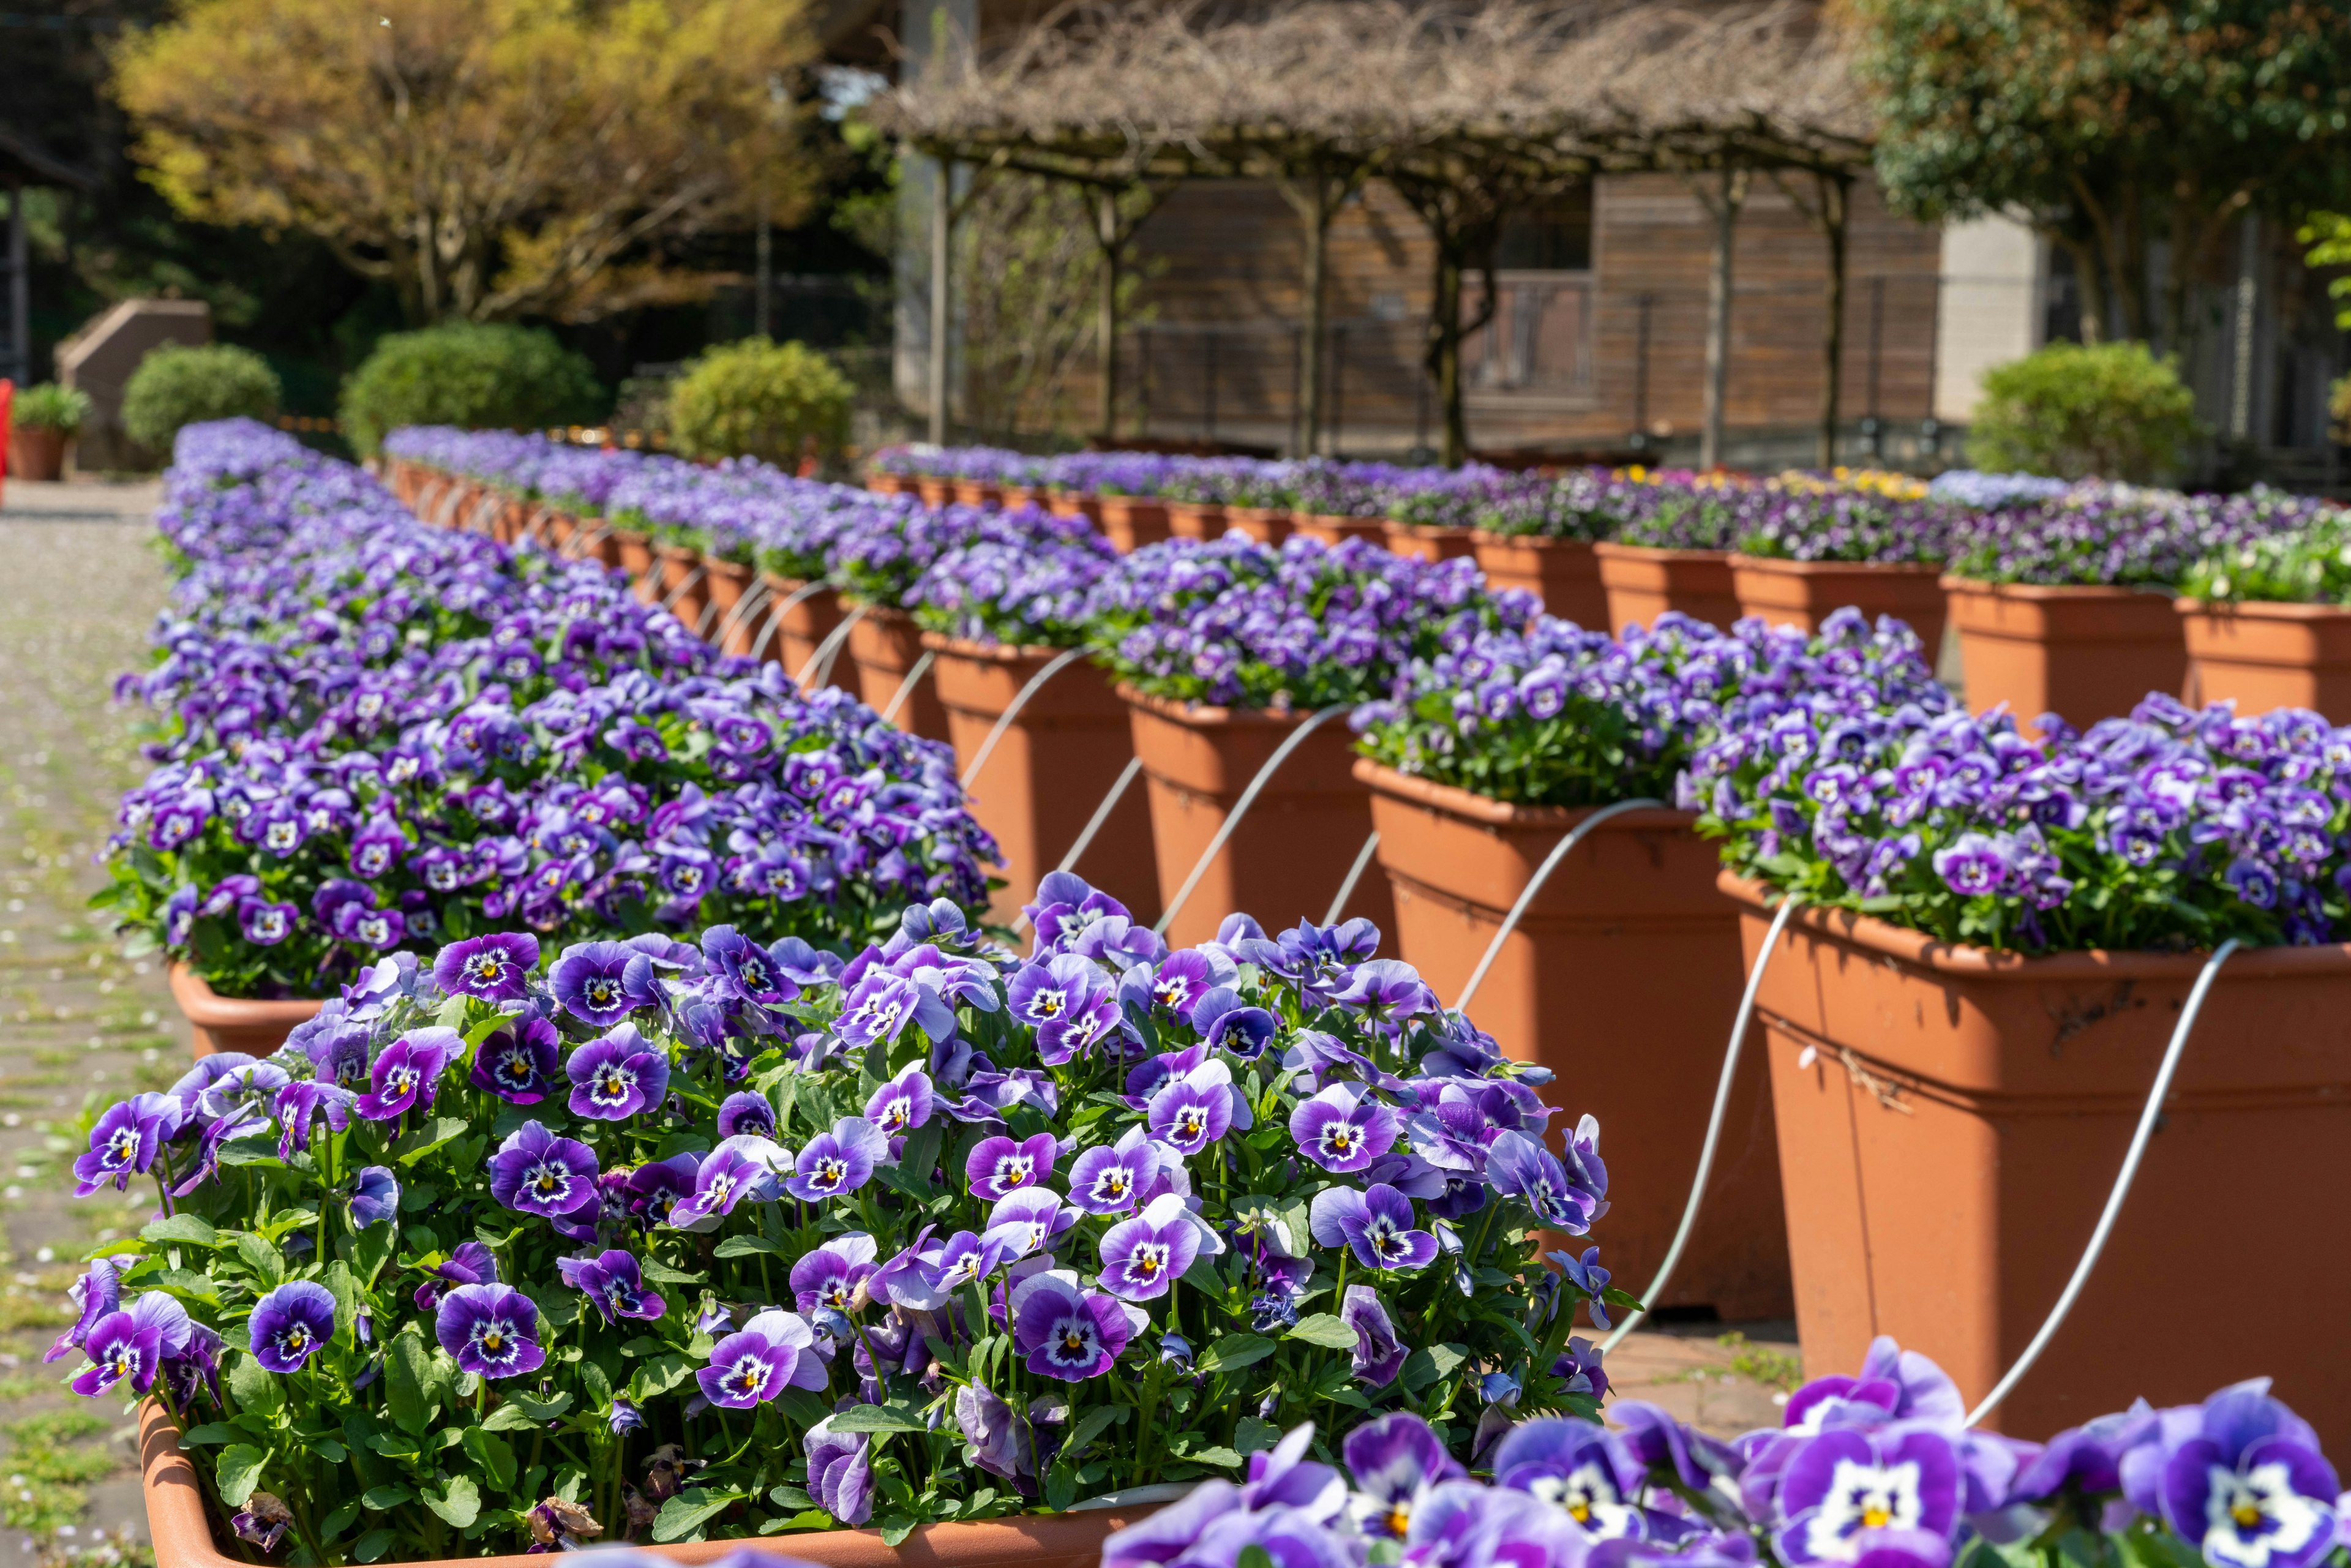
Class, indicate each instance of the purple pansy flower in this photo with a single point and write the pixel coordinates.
(1064, 1332)
(903, 1104)
(2242, 1478)
(1189, 1113)
(1109, 1179)
(1143, 1256)
(840, 1472)
(491, 1330)
(1343, 1128)
(613, 1284)
(1582, 1467)
(1379, 1354)
(593, 982)
(1843, 1483)
(746, 1111)
(374, 1196)
(744, 1167)
(1025, 1219)
(617, 1075)
(1377, 1224)
(828, 1277)
(407, 1072)
(998, 1165)
(773, 1351)
(750, 971)
(123, 1347)
(471, 1264)
(291, 1324)
(497, 968)
(123, 1143)
(264, 924)
(837, 1162)
(535, 1172)
(1519, 1166)
(1396, 1462)
(1067, 1000)
(517, 1060)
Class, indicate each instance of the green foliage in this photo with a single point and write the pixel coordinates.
(50, 406)
(476, 376)
(2328, 235)
(2309, 565)
(176, 385)
(759, 398)
(2109, 409)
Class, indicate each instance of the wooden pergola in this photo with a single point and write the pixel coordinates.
(1466, 111)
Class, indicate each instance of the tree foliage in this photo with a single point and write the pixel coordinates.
(2108, 124)
(486, 158)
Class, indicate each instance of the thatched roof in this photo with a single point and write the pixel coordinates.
(1132, 89)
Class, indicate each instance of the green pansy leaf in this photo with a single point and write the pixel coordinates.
(682, 1516)
(1235, 1351)
(187, 1228)
(238, 1472)
(1324, 1329)
(459, 1503)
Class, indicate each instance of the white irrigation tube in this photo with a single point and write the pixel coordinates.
(821, 662)
(1240, 808)
(898, 699)
(753, 597)
(669, 600)
(1738, 1025)
(1354, 875)
(1094, 823)
(775, 616)
(581, 541)
(1012, 710)
(2123, 1178)
(1534, 885)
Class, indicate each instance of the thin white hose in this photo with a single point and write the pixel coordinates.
(1527, 895)
(1354, 875)
(1240, 808)
(820, 660)
(2123, 1178)
(898, 698)
(1012, 710)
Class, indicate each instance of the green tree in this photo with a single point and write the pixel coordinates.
(2108, 124)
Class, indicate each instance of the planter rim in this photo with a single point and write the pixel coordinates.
(1654, 552)
(719, 566)
(1960, 960)
(1534, 541)
(2261, 610)
(876, 611)
(1341, 520)
(1926, 569)
(1208, 715)
(182, 1534)
(990, 652)
(1455, 802)
(1254, 512)
(630, 536)
(207, 1007)
(773, 578)
(1439, 530)
(1954, 584)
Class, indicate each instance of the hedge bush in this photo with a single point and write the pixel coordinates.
(178, 385)
(2077, 410)
(477, 375)
(757, 398)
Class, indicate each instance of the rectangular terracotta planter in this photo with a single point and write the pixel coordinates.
(886, 645)
(1129, 522)
(1333, 530)
(1266, 525)
(1051, 769)
(684, 585)
(891, 484)
(636, 551)
(1065, 504)
(1803, 593)
(1952, 1120)
(1643, 583)
(217, 1023)
(729, 627)
(977, 493)
(1288, 858)
(183, 1536)
(935, 490)
(1196, 519)
(801, 629)
(1624, 978)
(2083, 654)
(1564, 573)
(1424, 542)
(2262, 656)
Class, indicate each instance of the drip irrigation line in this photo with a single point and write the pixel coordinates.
(1296, 738)
(821, 662)
(1095, 824)
(1738, 1025)
(669, 600)
(1354, 875)
(2139, 1138)
(775, 625)
(906, 686)
(753, 597)
(1012, 711)
(1534, 885)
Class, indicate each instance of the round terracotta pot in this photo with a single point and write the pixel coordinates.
(558, 528)
(1334, 532)
(683, 583)
(1266, 525)
(934, 491)
(513, 512)
(1803, 593)
(1952, 1120)
(1051, 769)
(886, 645)
(977, 492)
(35, 451)
(1288, 858)
(727, 582)
(599, 543)
(1069, 503)
(801, 629)
(1018, 496)
(1424, 541)
(2085, 653)
(636, 559)
(1629, 940)
(233, 1023)
(1642, 583)
(2262, 656)
(1196, 519)
(1564, 573)
(1129, 522)
(184, 1535)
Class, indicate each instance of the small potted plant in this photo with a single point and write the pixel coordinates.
(42, 423)
(1541, 539)
(2268, 621)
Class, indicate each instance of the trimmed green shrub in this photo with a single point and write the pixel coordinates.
(50, 406)
(757, 398)
(2112, 410)
(176, 384)
(474, 375)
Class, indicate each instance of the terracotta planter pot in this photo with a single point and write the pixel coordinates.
(892, 485)
(1049, 769)
(1129, 522)
(1338, 530)
(934, 491)
(1018, 496)
(1196, 519)
(2264, 656)
(727, 584)
(1564, 573)
(2086, 654)
(886, 645)
(977, 493)
(35, 451)
(684, 585)
(233, 1023)
(1424, 542)
(184, 1537)
(1629, 940)
(599, 543)
(801, 629)
(1266, 525)
(1803, 593)
(1064, 503)
(1643, 583)
(1950, 1122)
(507, 526)
(636, 557)
(1286, 859)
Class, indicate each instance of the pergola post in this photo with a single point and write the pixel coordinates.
(1113, 252)
(1723, 207)
(942, 267)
